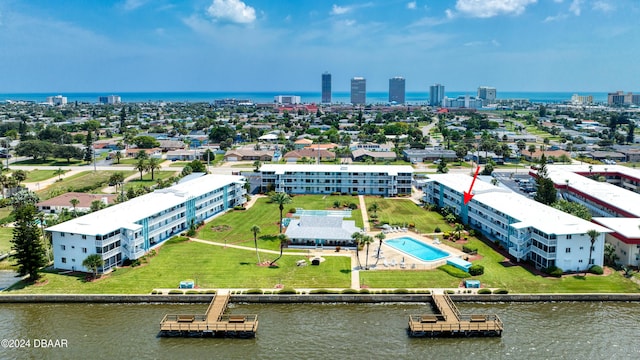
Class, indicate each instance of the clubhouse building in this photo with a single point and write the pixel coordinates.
(382, 180)
(130, 229)
(527, 229)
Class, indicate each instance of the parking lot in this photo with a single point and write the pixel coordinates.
(514, 181)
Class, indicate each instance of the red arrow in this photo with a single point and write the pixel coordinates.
(467, 194)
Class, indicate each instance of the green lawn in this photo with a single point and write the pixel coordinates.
(5, 215)
(234, 227)
(6, 234)
(52, 162)
(39, 175)
(146, 179)
(79, 182)
(398, 212)
(209, 265)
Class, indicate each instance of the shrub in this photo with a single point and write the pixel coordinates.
(472, 232)
(156, 292)
(176, 292)
(437, 230)
(476, 270)
(364, 291)
(239, 207)
(355, 193)
(292, 210)
(323, 291)
(254, 292)
(500, 291)
(449, 292)
(484, 291)
(336, 204)
(596, 269)
(553, 271)
(412, 225)
(454, 271)
(210, 291)
(191, 292)
(423, 291)
(349, 291)
(469, 250)
(353, 206)
(287, 291)
(400, 291)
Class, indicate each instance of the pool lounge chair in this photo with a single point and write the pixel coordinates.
(385, 263)
(393, 262)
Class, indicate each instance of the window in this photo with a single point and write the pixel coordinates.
(61, 234)
(63, 247)
(64, 260)
(568, 250)
(84, 250)
(84, 237)
(568, 237)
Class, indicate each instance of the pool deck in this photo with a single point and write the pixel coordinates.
(392, 259)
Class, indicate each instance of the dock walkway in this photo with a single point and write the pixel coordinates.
(449, 322)
(213, 323)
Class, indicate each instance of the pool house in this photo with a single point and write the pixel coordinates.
(320, 231)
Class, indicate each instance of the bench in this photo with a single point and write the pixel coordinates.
(478, 318)
(186, 318)
(429, 319)
(237, 318)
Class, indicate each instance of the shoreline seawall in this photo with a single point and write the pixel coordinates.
(315, 298)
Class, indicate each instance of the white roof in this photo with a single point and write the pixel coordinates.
(613, 195)
(125, 214)
(389, 169)
(321, 227)
(627, 227)
(524, 210)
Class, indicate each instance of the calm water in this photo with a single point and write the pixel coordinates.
(331, 331)
(373, 97)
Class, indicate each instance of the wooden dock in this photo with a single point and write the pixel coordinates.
(449, 322)
(213, 323)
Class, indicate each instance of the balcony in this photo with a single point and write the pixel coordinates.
(519, 240)
(518, 253)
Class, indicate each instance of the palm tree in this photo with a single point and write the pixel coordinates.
(256, 165)
(593, 234)
(74, 202)
(374, 209)
(118, 156)
(366, 240)
(380, 236)
(280, 198)
(93, 262)
(141, 166)
(152, 165)
(458, 229)
(255, 229)
(283, 240)
(357, 237)
(59, 173)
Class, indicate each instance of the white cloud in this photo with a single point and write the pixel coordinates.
(575, 7)
(130, 5)
(491, 8)
(603, 6)
(339, 10)
(555, 18)
(232, 10)
(412, 5)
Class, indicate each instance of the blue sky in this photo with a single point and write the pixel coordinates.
(266, 45)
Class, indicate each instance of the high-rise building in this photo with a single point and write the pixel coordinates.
(621, 99)
(111, 99)
(57, 100)
(487, 94)
(287, 99)
(326, 88)
(436, 94)
(396, 90)
(358, 91)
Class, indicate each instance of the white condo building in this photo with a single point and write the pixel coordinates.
(287, 99)
(130, 229)
(527, 229)
(385, 180)
(57, 100)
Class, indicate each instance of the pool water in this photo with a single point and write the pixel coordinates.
(415, 248)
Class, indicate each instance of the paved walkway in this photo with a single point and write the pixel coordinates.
(365, 215)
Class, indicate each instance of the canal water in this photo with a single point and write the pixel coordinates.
(564, 330)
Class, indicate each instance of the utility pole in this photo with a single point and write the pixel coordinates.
(93, 148)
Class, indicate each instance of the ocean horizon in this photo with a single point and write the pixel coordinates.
(338, 97)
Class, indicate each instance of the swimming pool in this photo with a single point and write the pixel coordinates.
(415, 248)
(340, 213)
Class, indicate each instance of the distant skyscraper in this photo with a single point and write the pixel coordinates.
(487, 94)
(326, 88)
(436, 94)
(396, 90)
(111, 99)
(358, 91)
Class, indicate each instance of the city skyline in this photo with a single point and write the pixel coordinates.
(212, 45)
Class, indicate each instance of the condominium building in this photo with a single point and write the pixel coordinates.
(287, 99)
(111, 99)
(358, 91)
(57, 100)
(581, 99)
(326, 88)
(385, 180)
(528, 229)
(465, 101)
(619, 98)
(487, 94)
(397, 90)
(436, 94)
(130, 229)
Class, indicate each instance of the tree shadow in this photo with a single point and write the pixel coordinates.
(579, 277)
(345, 271)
